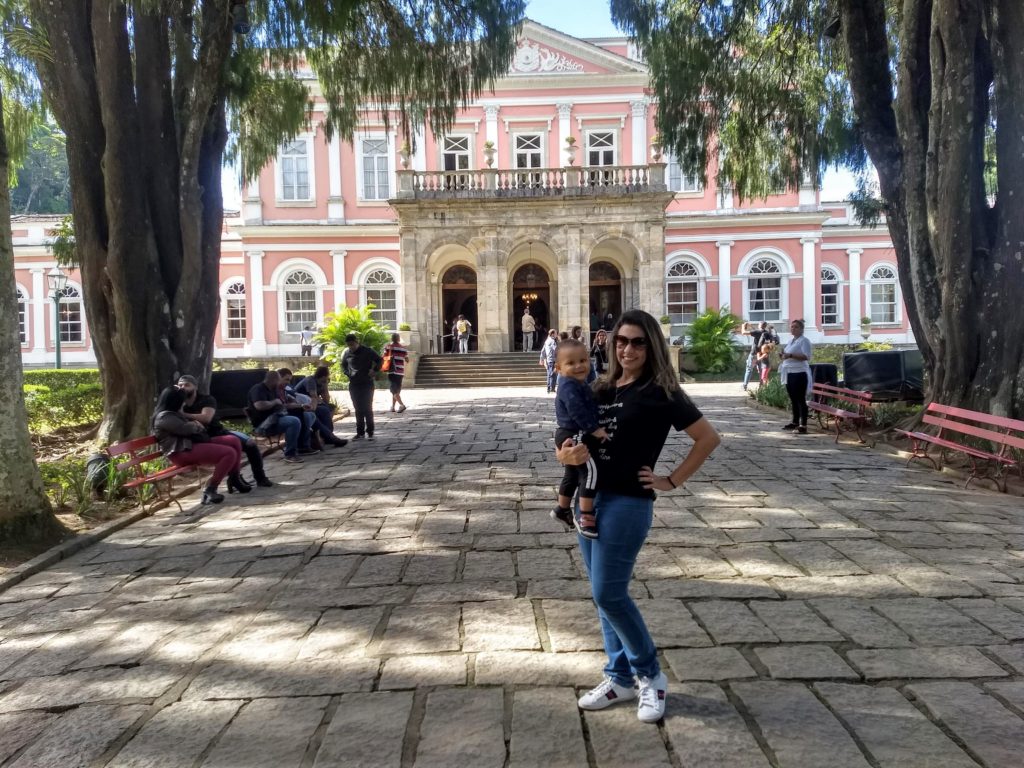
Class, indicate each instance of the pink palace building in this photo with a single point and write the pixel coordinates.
(548, 192)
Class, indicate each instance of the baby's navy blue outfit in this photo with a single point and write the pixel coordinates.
(576, 414)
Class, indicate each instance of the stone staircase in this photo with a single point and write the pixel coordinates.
(476, 369)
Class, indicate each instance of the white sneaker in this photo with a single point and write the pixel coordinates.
(650, 706)
(604, 695)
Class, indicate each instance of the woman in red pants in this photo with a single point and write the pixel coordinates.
(185, 443)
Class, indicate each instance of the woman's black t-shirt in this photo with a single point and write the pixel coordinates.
(637, 418)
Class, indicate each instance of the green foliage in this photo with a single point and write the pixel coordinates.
(711, 340)
(346, 320)
(833, 353)
(771, 116)
(64, 398)
(404, 327)
(772, 394)
(888, 415)
(63, 245)
(43, 179)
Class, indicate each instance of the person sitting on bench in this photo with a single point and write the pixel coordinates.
(185, 443)
(269, 416)
(203, 409)
(315, 388)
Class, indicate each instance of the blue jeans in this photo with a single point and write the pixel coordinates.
(463, 344)
(751, 365)
(291, 427)
(623, 522)
(552, 376)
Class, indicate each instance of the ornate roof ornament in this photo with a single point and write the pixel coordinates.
(532, 59)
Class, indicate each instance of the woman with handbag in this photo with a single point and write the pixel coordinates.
(185, 443)
(395, 356)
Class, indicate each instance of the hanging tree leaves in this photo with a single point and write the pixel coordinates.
(929, 90)
(147, 92)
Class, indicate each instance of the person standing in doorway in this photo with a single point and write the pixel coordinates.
(361, 364)
(463, 329)
(306, 346)
(795, 373)
(548, 356)
(529, 326)
(396, 372)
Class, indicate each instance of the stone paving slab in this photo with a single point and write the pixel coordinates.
(409, 602)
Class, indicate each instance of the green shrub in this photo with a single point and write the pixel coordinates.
(56, 399)
(340, 324)
(833, 353)
(772, 394)
(711, 340)
(888, 415)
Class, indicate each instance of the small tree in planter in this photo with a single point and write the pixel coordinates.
(711, 340)
(340, 324)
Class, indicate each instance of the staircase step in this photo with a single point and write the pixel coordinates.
(509, 369)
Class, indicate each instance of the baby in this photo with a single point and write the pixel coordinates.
(576, 414)
(764, 361)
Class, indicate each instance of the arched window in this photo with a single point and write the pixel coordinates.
(299, 301)
(381, 290)
(764, 291)
(830, 310)
(882, 294)
(234, 311)
(682, 292)
(71, 316)
(22, 317)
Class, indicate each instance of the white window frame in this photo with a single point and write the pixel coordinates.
(225, 314)
(82, 341)
(614, 147)
(278, 284)
(838, 283)
(873, 280)
(23, 323)
(368, 268)
(786, 271)
(307, 138)
(703, 269)
(698, 188)
(526, 179)
(381, 287)
(389, 155)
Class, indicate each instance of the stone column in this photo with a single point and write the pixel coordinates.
(725, 276)
(638, 126)
(652, 272)
(492, 333)
(338, 278)
(419, 154)
(564, 130)
(335, 205)
(40, 302)
(258, 342)
(573, 281)
(855, 283)
(491, 134)
(811, 278)
(415, 292)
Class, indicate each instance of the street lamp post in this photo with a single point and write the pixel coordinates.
(58, 281)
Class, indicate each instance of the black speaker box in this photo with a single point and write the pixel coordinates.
(231, 390)
(893, 375)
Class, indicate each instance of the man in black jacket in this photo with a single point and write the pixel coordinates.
(361, 364)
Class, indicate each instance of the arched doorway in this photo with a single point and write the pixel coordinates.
(458, 297)
(530, 288)
(605, 294)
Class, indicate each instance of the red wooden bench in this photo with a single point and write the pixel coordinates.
(1007, 434)
(844, 406)
(131, 455)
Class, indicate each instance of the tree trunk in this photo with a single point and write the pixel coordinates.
(24, 508)
(959, 255)
(142, 138)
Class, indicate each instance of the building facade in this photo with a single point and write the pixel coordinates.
(547, 193)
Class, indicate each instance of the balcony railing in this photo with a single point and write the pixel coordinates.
(532, 182)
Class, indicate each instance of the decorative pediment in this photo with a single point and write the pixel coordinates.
(532, 59)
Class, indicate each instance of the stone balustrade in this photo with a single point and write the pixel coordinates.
(532, 182)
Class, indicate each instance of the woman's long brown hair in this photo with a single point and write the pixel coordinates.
(657, 365)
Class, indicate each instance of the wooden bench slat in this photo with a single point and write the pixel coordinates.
(974, 431)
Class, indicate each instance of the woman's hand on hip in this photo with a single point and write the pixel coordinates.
(570, 453)
(653, 482)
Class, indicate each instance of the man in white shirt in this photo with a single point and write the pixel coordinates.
(307, 341)
(529, 328)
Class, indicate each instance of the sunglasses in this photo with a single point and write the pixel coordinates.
(637, 342)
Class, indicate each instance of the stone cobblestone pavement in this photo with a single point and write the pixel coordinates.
(408, 602)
